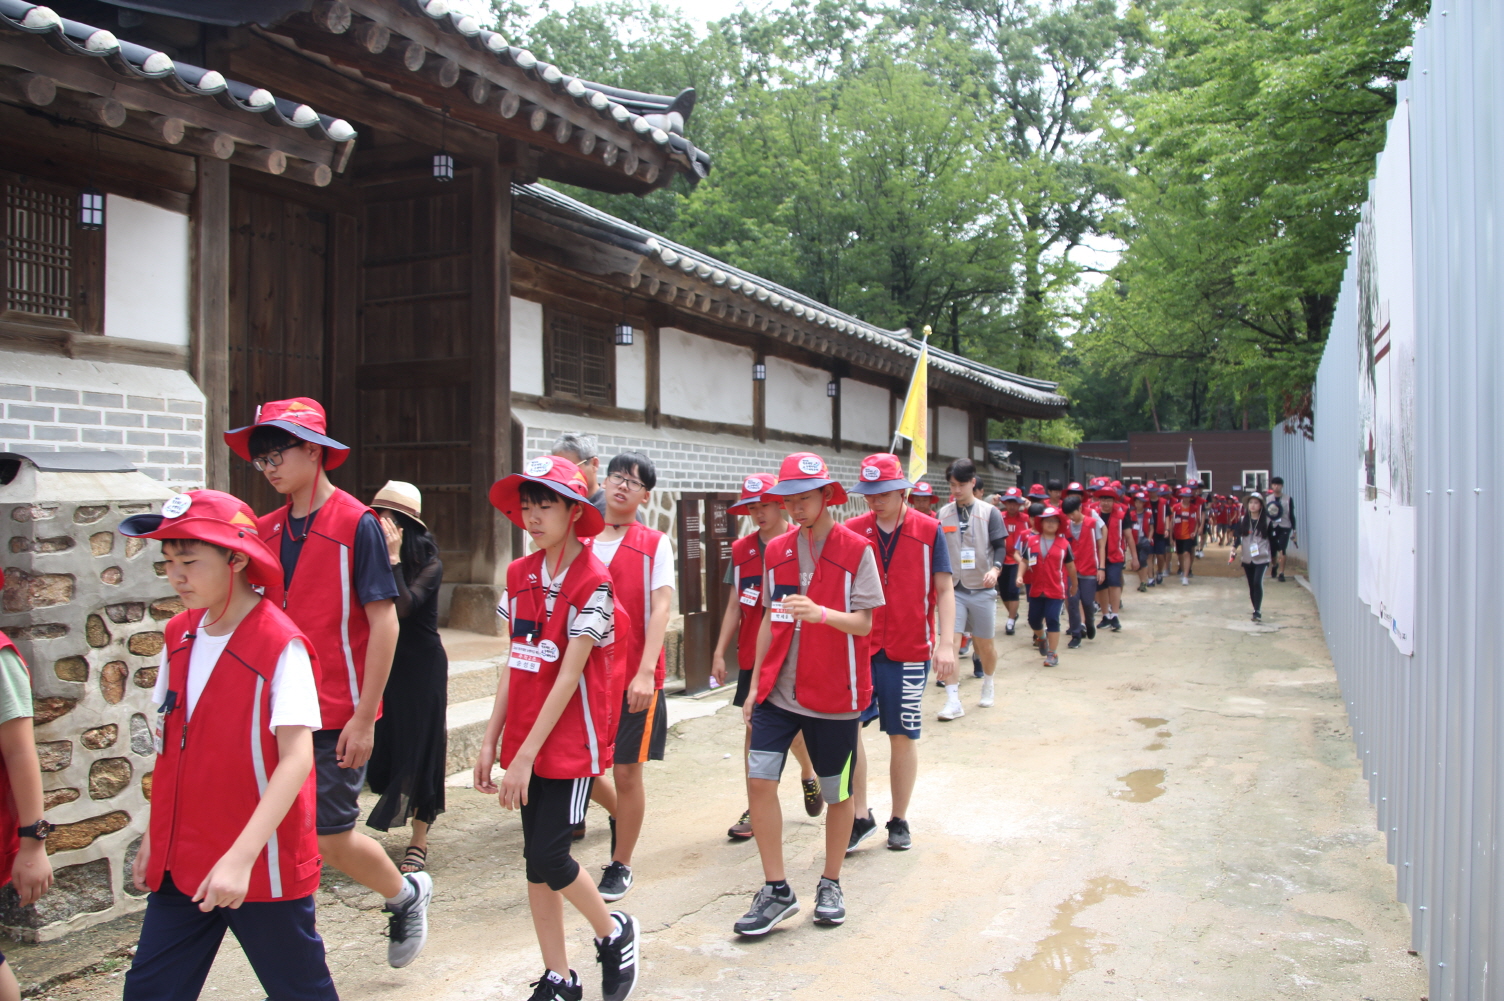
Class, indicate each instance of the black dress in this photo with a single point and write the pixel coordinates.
(407, 762)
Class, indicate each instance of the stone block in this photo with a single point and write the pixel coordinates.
(101, 436)
(103, 400)
(126, 611)
(128, 869)
(99, 737)
(25, 513)
(146, 644)
(48, 709)
(160, 568)
(146, 677)
(141, 742)
(146, 785)
(88, 514)
(55, 755)
(71, 669)
(165, 608)
(473, 607)
(108, 777)
(145, 403)
(15, 392)
(124, 420)
(70, 837)
(40, 631)
(57, 797)
(33, 414)
(45, 394)
(73, 416)
(76, 889)
(26, 591)
(112, 681)
(54, 434)
(53, 544)
(111, 576)
(101, 543)
(134, 547)
(96, 633)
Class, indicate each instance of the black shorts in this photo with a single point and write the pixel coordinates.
(640, 736)
(1185, 546)
(1161, 545)
(339, 788)
(831, 744)
(1279, 539)
(1007, 582)
(743, 688)
(553, 808)
(1112, 575)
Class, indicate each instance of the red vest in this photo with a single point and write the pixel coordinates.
(581, 741)
(1047, 579)
(1084, 542)
(1143, 523)
(323, 602)
(10, 841)
(1114, 532)
(834, 671)
(901, 629)
(1184, 515)
(203, 795)
(746, 577)
(631, 572)
(1015, 524)
(1161, 516)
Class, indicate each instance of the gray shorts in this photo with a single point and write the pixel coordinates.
(976, 613)
(339, 788)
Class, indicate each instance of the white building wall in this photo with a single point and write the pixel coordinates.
(797, 399)
(147, 260)
(953, 433)
(864, 413)
(527, 347)
(632, 373)
(703, 379)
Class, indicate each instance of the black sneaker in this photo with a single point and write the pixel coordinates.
(1281, 578)
(862, 828)
(1091, 628)
(1117, 626)
(768, 908)
(618, 958)
(830, 903)
(1257, 617)
(1007, 629)
(976, 669)
(1075, 642)
(546, 988)
(1106, 621)
(615, 882)
(898, 835)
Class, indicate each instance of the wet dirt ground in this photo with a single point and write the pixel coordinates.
(1173, 812)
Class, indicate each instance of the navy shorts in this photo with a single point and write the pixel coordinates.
(831, 744)
(897, 694)
(1114, 573)
(1161, 545)
(1044, 613)
(1145, 547)
(339, 788)
(1007, 582)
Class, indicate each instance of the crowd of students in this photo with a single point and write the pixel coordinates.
(271, 683)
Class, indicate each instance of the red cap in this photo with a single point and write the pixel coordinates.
(1074, 488)
(1013, 494)
(1105, 492)
(1183, 492)
(1037, 491)
(753, 489)
(1050, 511)
(880, 474)
(923, 489)
(215, 517)
(559, 475)
(804, 471)
(300, 416)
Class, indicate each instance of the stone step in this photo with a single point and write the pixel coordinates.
(466, 722)
(473, 679)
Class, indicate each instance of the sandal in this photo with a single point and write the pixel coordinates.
(416, 860)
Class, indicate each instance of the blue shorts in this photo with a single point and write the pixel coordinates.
(1161, 545)
(1044, 613)
(1114, 575)
(897, 694)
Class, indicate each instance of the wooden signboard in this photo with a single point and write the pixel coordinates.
(706, 531)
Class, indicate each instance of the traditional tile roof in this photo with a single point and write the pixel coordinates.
(1038, 397)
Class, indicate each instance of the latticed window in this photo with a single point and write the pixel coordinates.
(52, 268)
(579, 358)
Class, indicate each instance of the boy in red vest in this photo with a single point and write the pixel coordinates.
(552, 716)
(743, 618)
(231, 841)
(642, 586)
(918, 596)
(23, 857)
(336, 584)
(922, 498)
(1015, 523)
(1088, 536)
(813, 676)
(1185, 518)
(1052, 578)
(1118, 551)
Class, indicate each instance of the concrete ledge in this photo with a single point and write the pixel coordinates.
(473, 608)
(466, 724)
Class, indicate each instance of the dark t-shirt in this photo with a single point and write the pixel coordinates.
(373, 565)
(940, 561)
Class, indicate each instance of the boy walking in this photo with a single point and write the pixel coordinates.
(336, 585)
(1052, 578)
(552, 716)
(977, 542)
(1088, 539)
(231, 840)
(813, 677)
(1118, 550)
(915, 567)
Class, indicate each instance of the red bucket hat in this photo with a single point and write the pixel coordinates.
(559, 475)
(806, 471)
(1013, 494)
(301, 417)
(1074, 488)
(215, 517)
(1037, 491)
(1050, 511)
(754, 490)
(880, 474)
(923, 489)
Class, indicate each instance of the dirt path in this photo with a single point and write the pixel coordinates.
(1173, 812)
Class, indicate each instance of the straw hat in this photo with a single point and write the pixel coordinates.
(401, 497)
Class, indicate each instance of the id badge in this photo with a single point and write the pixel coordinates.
(1253, 550)
(530, 658)
(1033, 560)
(751, 595)
(968, 559)
(156, 735)
(779, 615)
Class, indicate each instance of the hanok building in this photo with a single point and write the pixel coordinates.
(210, 203)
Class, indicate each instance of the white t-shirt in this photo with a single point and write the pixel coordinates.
(295, 695)
(596, 620)
(663, 559)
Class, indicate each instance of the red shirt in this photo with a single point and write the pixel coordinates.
(1183, 519)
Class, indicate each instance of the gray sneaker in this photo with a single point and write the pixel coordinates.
(862, 828)
(830, 903)
(768, 908)
(898, 835)
(407, 929)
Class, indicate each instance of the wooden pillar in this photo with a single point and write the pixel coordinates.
(652, 409)
(210, 351)
(835, 414)
(760, 401)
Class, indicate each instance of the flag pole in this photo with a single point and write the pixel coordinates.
(923, 344)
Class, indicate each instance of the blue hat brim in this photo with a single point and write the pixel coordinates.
(140, 525)
(239, 440)
(788, 488)
(881, 487)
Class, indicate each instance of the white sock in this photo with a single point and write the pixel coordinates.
(616, 929)
(1012, 623)
(952, 690)
(402, 899)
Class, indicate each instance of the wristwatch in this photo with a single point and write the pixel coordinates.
(38, 831)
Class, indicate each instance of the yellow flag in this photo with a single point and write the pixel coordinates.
(915, 423)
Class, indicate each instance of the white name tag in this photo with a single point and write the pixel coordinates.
(1253, 550)
(779, 615)
(968, 559)
(751, 595)
(527, 657)
(1033, 559)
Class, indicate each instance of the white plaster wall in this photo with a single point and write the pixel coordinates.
(864, 413)
(632, 373)
(705, 379)
(953, 433)
(527, 347)
(797, 399)
(146, 272)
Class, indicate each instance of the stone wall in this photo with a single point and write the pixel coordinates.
(86, 606)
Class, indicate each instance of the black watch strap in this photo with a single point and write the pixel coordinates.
(37, 831)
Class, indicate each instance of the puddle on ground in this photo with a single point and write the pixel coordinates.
(1149, 722)
(1067, 950)
(1143, 785)
(1160, 745)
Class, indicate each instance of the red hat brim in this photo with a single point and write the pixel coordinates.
(505, 498)
(264, 569)
(335, 453)
(790, 487)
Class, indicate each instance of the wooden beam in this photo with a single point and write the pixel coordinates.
(30, 88)
(268, 161)
(652, 411)
(760, 400)
(331, 15)
(491, 385)
(835, 414)
(209, 349)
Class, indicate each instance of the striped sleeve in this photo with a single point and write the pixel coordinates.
(596, 619)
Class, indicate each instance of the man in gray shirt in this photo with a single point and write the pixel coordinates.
(1281, 511)
(977, 541)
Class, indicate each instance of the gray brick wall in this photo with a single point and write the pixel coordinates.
(163, 437)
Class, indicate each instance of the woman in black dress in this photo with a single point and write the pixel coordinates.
(407, 763)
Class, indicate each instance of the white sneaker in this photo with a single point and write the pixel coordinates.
(986, 700)
(1185, 582)
(953, 708)
(407, 929)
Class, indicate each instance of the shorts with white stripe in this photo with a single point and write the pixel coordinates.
(552, 809)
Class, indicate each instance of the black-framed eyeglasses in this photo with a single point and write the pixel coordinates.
(270, 460)
(618, 480)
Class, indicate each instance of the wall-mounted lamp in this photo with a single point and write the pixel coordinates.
(759, 372)
(443, 163)
(624, 334)
(91, 208)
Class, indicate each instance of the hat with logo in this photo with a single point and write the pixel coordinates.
(401, 496)
(1013, 494)
(923, 489)
(804, 471)
(880, 473)
(1183, 492)
(557, 474)
(215, 517)
(1139, 495)
(754, 488)
(1074, 488)
(302, 418)
(1105, 491)
(1050, 511)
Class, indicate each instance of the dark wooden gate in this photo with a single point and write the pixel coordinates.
(706, 531)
